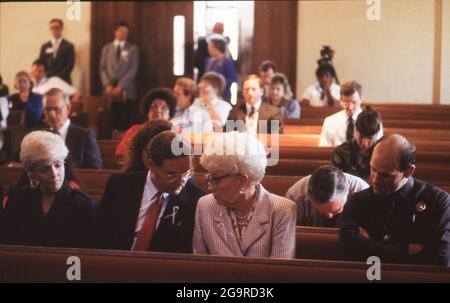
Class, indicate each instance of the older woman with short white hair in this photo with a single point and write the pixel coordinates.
(47, 212)
(240, 217)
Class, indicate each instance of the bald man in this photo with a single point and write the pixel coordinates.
(399, 218)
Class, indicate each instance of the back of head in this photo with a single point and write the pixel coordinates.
(188, 85)
(368, 122)
(41, 145)
(350, 87)
(266, 65)
(219, 42)
(167, 145)
(325, 183)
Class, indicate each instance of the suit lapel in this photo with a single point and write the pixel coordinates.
(223, 227)
(258, 224)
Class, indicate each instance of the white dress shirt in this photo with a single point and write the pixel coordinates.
(299, 194)
(62, 131)
(314, 92)
(334, 128)
(182, 120)
(148, 198)
(200, 118)
(55, 45)
(48, 83)
(251, 123)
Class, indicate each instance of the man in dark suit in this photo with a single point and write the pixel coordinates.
(119, 63)
(58, 54)
(151, 210)
(247, 116)
(81, 142)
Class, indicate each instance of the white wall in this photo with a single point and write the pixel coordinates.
(445, 55)
(24, 28)
(392, 58)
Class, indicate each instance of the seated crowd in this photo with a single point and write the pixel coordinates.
(156, 204)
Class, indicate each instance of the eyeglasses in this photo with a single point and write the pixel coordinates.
(214, 181)
(162, 108)
(57, 110)
(175, 177)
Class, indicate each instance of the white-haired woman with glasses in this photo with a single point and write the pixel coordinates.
(240, 217)
(47, 212)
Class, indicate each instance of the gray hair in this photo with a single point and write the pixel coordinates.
(327, 182)
(235, 152)
(41, 145)
(55, 91)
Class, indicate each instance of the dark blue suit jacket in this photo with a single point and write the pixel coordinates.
(118, 212)
(62, 65)
(82, 144)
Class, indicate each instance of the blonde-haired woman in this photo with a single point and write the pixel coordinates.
(240, 217)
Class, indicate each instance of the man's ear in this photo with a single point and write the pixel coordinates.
(409, 170)
(69, 108)
(150, 164)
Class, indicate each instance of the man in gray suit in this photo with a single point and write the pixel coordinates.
(248, 115)
(118, 67)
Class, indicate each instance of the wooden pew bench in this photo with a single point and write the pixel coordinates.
(35, 264)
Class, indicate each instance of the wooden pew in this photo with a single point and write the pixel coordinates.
(37, 264)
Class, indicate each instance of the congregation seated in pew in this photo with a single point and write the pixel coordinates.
(281, 96)
(240, 217)
(321, 196)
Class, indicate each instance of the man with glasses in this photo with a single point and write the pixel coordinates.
(152, 210)
(81, 142)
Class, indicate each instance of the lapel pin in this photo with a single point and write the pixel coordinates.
(421, 206)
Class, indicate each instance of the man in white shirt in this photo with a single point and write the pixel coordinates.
(340, 127)
(253, 111)
(151, 210)
(42, 83)
(58, 54)
(321, 196)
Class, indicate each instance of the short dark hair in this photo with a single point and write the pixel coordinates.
(324, 69)
(325, 182)
(40, 62)
(350, 87)
(216, 80)
(57, 20)
(368, 122)
(163, 93)
(266, 65)
(121, 23)
(160, 149)
(220, 44)
(139, 142)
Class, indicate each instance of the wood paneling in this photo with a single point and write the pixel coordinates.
(151, 28)
(275, 36)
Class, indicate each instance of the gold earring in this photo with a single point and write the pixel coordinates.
(241, 191)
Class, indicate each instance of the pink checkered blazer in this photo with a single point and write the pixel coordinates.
(270, 233)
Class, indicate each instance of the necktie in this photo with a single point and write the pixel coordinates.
(350, 129)
(252, 111)
(118, 53)
(148, 228)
